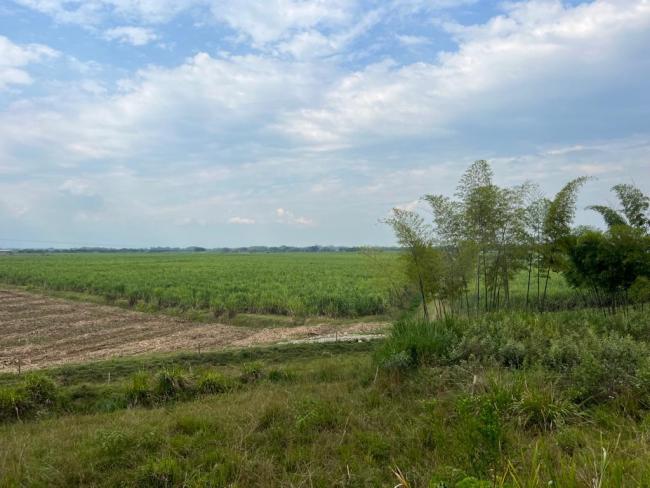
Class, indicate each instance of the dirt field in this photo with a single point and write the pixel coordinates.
(38, 331)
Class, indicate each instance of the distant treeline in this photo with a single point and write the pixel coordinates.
(223, 250)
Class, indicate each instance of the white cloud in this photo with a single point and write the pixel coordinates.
(537, 54)
(137, 36)
(241, 221)
(408, 40)
(14, 58)
(236, 135)
(268, 21)
(77, 187)
(285, 216)
(93, 12)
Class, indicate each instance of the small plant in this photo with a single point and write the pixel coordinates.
(316, 415)
(512, 354)
(542, 409)
(138, 392)
(40, 390)
(13, 404)
(611, 367)
(252, 372)
(212, 383)
(171, 383)
(161, 473)
(281, 375)
(480, 429)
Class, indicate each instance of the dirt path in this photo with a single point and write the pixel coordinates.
(38, 331)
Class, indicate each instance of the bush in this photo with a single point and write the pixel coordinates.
(281, 375)
(252, 372)
(315, 416)
(542, 409)
(171, 383)
(13, 404)
(512, 354)
(161, 473)
(480, 430)
(397, 363)
(563, 354)
(37, 393)
(212, 383)
(425, 343)
(41, 391)
(610, 367)
(138, 392)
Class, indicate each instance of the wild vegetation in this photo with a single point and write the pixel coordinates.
(511, 399)
(521, 359)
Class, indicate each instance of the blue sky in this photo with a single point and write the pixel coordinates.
(251, 122)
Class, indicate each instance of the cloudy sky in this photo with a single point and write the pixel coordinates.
(244, 122)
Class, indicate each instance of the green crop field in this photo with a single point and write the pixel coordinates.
(330, 284)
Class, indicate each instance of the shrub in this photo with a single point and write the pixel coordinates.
(480, 430)
(541, 409)
(13, 404)
(171, 383)
(252, 372)
(610, 367)
(40, 390)
(472, 482)
(161, 473)
(425, 343)
(512, 354)
(138, 392)
(315, 415)
(397, 363)
(212, 383)
(563, 354)
(281, 375)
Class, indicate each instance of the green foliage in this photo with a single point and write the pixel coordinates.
(635, 206)
(609, 262)
(252, 372)
(414, 343)
(161, 473)
(13, 404)
(455, 420)
(138, 392)
(471, 482)
(212, 383)
(40, 390)
(543, 409)
(611, 367)
(480, 429)
(36, 393)
(561, 211)
(171, 383)
(612, 217)
(221, 285)
(316, 415)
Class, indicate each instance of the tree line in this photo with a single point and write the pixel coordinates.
(464, 259)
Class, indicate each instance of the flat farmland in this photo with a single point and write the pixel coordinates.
(297, 284)
(39, 331)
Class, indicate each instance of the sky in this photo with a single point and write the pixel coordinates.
(136, 123)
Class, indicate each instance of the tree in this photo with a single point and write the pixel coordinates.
(557, 228)
(533, 238)
(609, 263)
(423, 261)
(634, 212)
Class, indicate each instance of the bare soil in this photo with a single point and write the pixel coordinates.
(38, 331)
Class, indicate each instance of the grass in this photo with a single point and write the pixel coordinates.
(509, 400)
